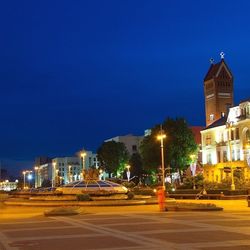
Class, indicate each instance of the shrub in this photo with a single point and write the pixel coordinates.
(130, 195)
(127, 184)
(83, 197)
(143, 191)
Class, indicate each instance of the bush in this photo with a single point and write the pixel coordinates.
(143, 191)
(130, 195)
(127, 184)
(83, 197)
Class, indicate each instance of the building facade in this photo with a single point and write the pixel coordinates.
(226, 145)
(62, 170)
(131, 142)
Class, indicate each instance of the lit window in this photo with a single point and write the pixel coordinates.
(211, 117)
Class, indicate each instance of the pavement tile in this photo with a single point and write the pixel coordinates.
(231, 223)
(48, 232)
(148, 227)
(203, 236)
(34, 224)
(234, 247)
(77, 243)
(111, 220)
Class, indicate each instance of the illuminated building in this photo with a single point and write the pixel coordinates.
(226, 142)
(8, 185)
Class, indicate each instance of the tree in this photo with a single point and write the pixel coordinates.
(46, 183)
(178, 146)
(113, 156)
(135, 163)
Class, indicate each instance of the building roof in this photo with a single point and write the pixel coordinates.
(220, 122)
(214, 68)
(245, 100)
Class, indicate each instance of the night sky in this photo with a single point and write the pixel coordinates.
(74, 73)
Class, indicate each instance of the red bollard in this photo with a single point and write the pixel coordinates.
(161, 199)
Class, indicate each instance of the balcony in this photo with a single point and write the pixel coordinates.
(221, 144)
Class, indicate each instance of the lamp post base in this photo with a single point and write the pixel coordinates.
(232, 187)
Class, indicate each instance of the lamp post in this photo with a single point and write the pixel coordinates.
(24, 173)
(230, 129)
(36, 176)
(160, 137)
(193, 168)
(69, 173)
(100, 174)
(128, 172)
(82, 161)
(57, 177)
(53, 174)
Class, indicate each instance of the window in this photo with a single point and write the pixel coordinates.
(134, 147)
(237, 134)
(238, 155)
(248, 136)
(224, 156)
(233, 156)
(218, 156)
(232, 134)
(209, 159)
(211, 117)
(208, 140)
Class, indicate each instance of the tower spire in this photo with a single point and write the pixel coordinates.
(222, 55)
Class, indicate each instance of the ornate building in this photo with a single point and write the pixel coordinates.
(226, 139)
(218, 90)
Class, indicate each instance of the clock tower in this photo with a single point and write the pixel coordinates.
(218, 90)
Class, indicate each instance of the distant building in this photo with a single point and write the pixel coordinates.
(8, 185)
(43, 173)
(62, 170)
(66, 169)
(131, 142)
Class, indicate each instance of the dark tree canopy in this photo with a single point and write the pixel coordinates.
(135, 163)
(46, 183)
(112, 156)
(178, 145)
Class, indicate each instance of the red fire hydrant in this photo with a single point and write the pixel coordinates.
(161, 199)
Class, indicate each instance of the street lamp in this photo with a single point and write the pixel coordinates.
(100, 174)
(82, 160)
(69, 174)
(53, 174)
(230, 128)
(193, 168)
(24, 173)
(36, 176)
(128, 172)
(57, 177)
(29, 177)
(160, 137)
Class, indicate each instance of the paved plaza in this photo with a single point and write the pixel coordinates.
(125, 228)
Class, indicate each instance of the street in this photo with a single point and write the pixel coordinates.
(120, 228)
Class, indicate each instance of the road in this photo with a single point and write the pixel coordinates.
(126, 228)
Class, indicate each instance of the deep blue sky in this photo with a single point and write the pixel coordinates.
(73, 73)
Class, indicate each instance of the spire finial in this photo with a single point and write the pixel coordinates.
(222, 55)
(211, 60)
